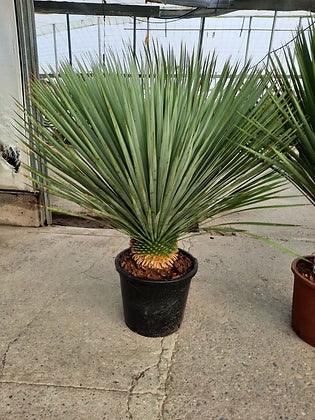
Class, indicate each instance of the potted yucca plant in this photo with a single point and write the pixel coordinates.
(294, 83)
(152, 145)
(297, 162)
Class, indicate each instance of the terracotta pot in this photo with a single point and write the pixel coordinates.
(303, 307)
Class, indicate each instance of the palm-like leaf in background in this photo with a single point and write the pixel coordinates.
(296, 84)
(153, 145)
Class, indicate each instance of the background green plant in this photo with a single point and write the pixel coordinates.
(294, 94)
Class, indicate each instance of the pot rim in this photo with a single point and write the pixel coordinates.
(190, 273)
(295, 270)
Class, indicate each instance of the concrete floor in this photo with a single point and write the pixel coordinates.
(67, 354)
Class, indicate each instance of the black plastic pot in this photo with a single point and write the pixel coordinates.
(154, 308)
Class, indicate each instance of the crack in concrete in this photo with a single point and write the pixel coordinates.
(170, 361)
(82, 387)
(77, 387)
(25, 328)
(163, 366)
(44, 384)
(133, 385)
(162, 386)
(71, 231)
(89, 268)
(4, 357)
(187, 244)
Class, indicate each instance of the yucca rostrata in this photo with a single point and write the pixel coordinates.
(153, 145)
(297, 85)
(293, 81)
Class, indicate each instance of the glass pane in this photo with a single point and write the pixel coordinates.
(262, 23)
(287, 24)
(51, 50)
(167, 34)
(227, 35)
(226, 22)
(118, 34)
(227, 45)
(258, 45)
(84, 31)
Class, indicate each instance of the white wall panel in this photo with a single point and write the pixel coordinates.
(10, 89)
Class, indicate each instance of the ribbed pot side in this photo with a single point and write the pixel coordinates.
(154, 308)
(303, 306)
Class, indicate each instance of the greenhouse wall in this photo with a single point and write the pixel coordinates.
(18, 204)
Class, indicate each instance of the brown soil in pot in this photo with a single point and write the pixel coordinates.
(306, 268)
(181, 266)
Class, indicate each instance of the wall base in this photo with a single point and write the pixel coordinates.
(19, 208)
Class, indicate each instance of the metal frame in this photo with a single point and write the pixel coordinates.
(271, 37)
(96, 9)
(114, 9)
(99, 41)
(233, 5)
(202, 30)
(25, 20)
(275, 5)
(213, 29)
(55, 47)
(134, 38)
(201, 34)
(69, 39)
(248, 38)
